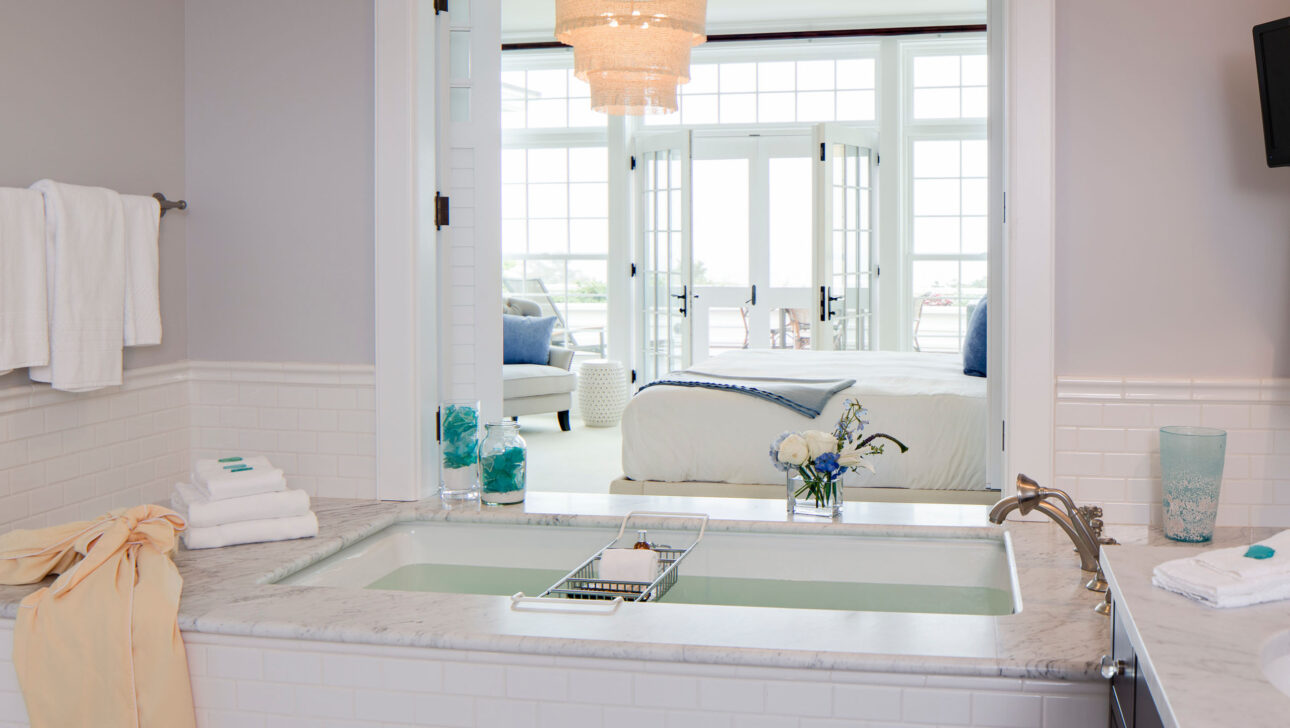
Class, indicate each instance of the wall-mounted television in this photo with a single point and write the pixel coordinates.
(1272, 55)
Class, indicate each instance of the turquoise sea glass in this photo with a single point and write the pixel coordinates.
(1191, 468)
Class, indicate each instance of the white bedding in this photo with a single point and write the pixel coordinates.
(676, 434)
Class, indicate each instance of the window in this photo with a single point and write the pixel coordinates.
(778, 91)
(946, 222)
(555, 197)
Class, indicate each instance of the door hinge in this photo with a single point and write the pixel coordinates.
(440, 211)
(633, 271)
(877, 159)
(440, 6)
(877, 271)
(1003, 435)
(438, 433)
(821, 151)
(633, 161)
(1005, 206)
(633, 376)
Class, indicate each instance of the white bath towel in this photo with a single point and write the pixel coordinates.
(24, 327)
(201, 512)
(1233, 584)
(270, 529)
(85, 279)
(252, 476)
(142, 289)
(640, 565)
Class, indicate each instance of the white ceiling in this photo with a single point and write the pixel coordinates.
(528, 20)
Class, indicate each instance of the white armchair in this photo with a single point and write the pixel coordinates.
(530, 389)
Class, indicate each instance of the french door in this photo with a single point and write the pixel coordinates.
(844, 250)
(664, 259)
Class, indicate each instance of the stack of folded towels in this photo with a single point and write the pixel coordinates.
(1234, 577)
(236, 500)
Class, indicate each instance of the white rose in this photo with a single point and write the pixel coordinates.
(793, 450)
(819, 443)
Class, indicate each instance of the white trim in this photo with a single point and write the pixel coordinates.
(1135, 390)
(34, 394)
(398, 415)
(1028, 310)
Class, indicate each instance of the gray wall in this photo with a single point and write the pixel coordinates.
(279, 157)
(92, 92)
(1173, 236)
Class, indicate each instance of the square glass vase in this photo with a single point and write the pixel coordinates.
(820, 499)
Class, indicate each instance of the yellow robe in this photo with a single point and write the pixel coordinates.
(101, 645)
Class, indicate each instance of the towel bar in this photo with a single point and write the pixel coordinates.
(169, 204)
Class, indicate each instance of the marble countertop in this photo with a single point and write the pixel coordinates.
(1056, 635)
(1205, 664)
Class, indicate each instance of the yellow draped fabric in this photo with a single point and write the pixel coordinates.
(101, 645)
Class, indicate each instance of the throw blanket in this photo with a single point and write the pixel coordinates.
(806, 397)
(101, 646)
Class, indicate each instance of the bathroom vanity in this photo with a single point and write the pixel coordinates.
(1176, 663)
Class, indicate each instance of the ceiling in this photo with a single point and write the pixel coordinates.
(529, 20)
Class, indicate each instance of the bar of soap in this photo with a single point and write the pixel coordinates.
(1259, 551)
(639, 565)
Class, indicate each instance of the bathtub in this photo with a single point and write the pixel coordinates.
(840, 571)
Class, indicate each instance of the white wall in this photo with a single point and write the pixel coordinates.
(1173, 236)
(93, 93)
(280, 155)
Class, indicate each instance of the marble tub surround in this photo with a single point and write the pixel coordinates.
(1056, 636)
(1205, 663)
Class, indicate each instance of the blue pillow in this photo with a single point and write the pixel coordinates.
(974, 348)
(526, 339)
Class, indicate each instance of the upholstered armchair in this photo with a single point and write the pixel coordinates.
(530, 389)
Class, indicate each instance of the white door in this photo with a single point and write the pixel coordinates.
(843, 253)
(663, 260)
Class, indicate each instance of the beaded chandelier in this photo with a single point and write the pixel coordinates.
(633, 53)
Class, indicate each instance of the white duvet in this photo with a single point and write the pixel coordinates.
(679, 434)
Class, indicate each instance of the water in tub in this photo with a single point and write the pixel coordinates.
(814, 571)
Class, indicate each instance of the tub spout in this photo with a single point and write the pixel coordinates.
(1033, 497)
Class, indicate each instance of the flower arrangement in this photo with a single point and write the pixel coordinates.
(821, 458)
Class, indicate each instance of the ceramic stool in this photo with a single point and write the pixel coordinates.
(602, 392)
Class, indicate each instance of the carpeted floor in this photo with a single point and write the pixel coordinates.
(584, 460)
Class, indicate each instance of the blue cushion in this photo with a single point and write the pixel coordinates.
(974, 348)
(526, 339)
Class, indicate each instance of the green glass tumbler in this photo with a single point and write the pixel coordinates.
(1191, 468)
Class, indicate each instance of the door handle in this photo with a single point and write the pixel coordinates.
(684, 295)
(826, 303)
(753, 300)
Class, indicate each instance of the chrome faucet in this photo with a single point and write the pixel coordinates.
(1033, 497)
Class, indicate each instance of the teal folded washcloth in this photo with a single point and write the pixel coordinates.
(1259, 551)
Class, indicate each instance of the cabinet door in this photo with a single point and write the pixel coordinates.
(1145, 714)
(1122, 686)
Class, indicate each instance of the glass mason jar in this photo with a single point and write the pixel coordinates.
(1191, 469)
(459, 450)
(815, 498)
(503, 459)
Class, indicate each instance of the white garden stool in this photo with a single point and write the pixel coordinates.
(602, 392)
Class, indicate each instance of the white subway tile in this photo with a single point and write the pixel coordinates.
(318, 420)
(1079, 414)
(324, 702)
(765, 721)
(666, 691)
(357, 421)
(237, 416)
(265, 697)
(290, 395)
(623, 717)
(799, 699)
(464, 678)
(1101, 490)
(337, 398)
(1078, 463)
(210, 692)
(867, 702)
(384, 705)
(454, 711)
(351, 671)
(603, 687)
(26, 423)
(1225, 415)
(278, 418)
(1100, 439)
(238, 663)
(1006, 710)
(1163, 415)
(1066, 438)
(290, 666)
(927, 705)
(499, 713)
(567, 715)
(1117, 414)
(44, 447)
(1076, 711)
(732, 695)
(537, 683)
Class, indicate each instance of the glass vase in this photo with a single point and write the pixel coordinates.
(459, 451)
(503, 458)
(821, 498)
(1191, 469)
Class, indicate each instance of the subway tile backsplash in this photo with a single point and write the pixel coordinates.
(1108, 447)
(73, 456)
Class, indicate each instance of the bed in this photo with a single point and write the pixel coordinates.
(679, 434)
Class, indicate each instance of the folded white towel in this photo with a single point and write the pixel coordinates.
(1235, 585)
(201, 512)
(85, 280)
(1235, 563)
(269, 529)
(24, 328)
(142, 290)
(629, 565)
(252, 476)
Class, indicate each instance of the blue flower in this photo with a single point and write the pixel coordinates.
(774, 454)
(827, 464)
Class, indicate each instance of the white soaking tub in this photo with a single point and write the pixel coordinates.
(837, 571)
